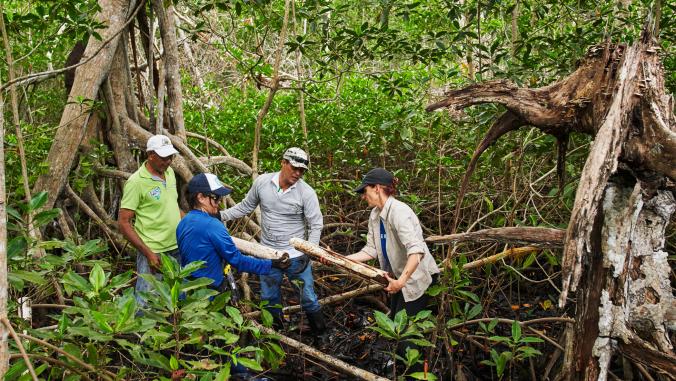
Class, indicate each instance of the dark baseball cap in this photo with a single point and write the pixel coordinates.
(375, 176)
(207, 183)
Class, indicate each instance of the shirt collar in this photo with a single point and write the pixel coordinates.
(386, 208)
(275, 180)
(144, 172)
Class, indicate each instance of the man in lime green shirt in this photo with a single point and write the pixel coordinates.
(150, 198)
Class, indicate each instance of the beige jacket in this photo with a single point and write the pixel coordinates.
(404, 237)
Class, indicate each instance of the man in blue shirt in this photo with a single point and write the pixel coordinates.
(202, 237)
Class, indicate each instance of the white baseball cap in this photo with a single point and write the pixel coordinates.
(297, 157)
(161, 145)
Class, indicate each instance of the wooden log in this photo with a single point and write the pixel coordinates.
(323, 357)
(541, 237)
(364, 270)
(256, 249)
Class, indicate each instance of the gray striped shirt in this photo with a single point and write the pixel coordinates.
(284, 214)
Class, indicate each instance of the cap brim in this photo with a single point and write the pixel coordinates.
(297, 164)
(166, 151)
(223, 191)
(360, 188)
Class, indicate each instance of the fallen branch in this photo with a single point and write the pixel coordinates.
(541, 237)
(517, 251)
(256, 249)
(364, 270)
(328, 300)
(330, 360)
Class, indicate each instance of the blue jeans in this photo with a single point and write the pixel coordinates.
(300, 270)
(143, 267)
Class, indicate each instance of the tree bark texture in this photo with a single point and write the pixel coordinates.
(88, 80)
(613, 247)
(171, 70)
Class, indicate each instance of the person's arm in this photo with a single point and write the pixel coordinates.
(313, 217)
(411, 265)
(407, 228)
(244, 207)
(367, 252)
(360, 256)
(124, 220)
(227, 250)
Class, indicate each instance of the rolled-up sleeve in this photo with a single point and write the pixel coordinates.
(313, 217)
(410, 235)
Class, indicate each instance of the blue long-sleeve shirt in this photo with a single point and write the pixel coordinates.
(204, 238)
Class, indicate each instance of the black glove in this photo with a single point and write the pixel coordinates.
(282, 263)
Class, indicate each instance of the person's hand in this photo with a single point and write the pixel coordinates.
(153, 260)
(282, 262)
(394, 285)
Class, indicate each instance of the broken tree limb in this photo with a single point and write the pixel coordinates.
(330, 360)
(364, 270)
(513, 252)
(256, 249)
(328, 300)
(540, 237)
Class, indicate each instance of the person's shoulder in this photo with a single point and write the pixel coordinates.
(263, 178)
(136, 176)
(306, 187)
(401, 207)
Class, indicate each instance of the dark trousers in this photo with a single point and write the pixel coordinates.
(412, 308)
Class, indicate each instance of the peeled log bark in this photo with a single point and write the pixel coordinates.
(256, 249)
(358, 268)
(88, 80)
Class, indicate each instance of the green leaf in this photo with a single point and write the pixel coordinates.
(190, 268)
(267, 317)
(196, 283)
(516, 331)
(235, 315)
(528, 261)
(385, 324)
(476, 310)
(400, 320)
(102, 322)
(37, 201)
(127, 310)
(46, 216)
(224, 374)
(16, 247)
(173, 363)
(97, 278)
(75, 282)
(250, 363)
(34, 277)
(423, 376)
(531, 339)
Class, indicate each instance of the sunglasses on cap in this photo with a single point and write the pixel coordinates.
(298, 159)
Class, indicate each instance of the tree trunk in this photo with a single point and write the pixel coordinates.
(171, 69)
(88, 80)
(613, 248)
